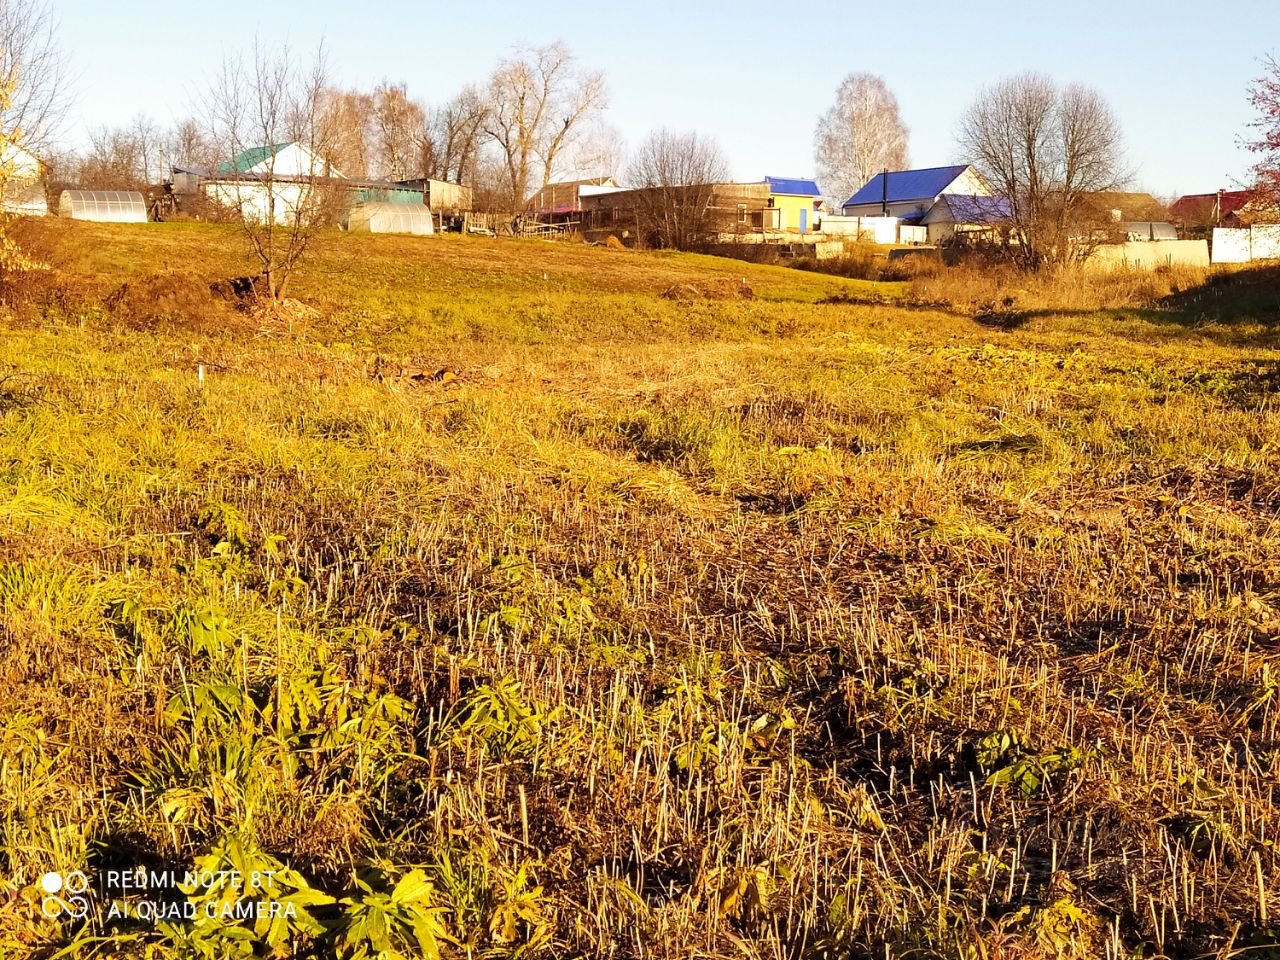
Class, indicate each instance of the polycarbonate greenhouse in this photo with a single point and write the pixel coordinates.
(104, 206)
(390, 218)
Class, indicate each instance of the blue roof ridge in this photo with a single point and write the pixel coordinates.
(901, 186)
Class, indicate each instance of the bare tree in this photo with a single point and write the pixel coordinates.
(399, 132)
(114, 161)
(31, 106)
(860, 135)
(188, 144)
(259, 101)
(599, 152)
(677, 173)
(537, 101)
(453, 149)
(1264, 95)
(124, 158)
(346, 122)
(1049, 150)
(31, 75)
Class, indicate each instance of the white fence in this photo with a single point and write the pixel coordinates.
(872, 229)
(1150, 255)
(1246, 244)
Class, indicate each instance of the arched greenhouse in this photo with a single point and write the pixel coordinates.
(103, 206)
(390, 218)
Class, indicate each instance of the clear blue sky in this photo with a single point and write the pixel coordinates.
(753, 75)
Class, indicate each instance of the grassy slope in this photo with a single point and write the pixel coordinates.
(676, 627)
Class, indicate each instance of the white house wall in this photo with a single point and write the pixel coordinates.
(19, 164)
(904, 209)
(294, 160)
(254, 199)
(968, 183)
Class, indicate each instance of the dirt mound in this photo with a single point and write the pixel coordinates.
(169, 299)
(719, 288)
(286, 313)
(238, 289)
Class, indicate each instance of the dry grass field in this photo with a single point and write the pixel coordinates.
(514, 599)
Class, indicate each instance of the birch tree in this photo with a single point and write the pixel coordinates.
(399, 131)
(860, 135)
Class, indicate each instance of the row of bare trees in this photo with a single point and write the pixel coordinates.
(538, 117)
(1048, 149)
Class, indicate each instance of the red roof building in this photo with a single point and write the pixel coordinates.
(1209, 209)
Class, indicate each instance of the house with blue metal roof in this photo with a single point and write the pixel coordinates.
(909, 194)
(797, 201)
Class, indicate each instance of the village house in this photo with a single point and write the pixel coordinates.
(276, 181)
(968, 216)
(562, 202)
(24, 188)
(731, 211)
(265, 182)
(795, 204)
(721, 210)
(1197, 213)
(910, 194)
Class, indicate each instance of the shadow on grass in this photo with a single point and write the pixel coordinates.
(1018, 444)
(1251, 296)
(1247, 300)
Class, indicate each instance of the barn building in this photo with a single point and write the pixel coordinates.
(563, 202)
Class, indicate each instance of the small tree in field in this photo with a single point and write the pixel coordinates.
(678, 172)
(1049, 150)
(1265, 97)
(258, 102)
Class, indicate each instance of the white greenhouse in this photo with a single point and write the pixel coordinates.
(390, 218)
(104, 206)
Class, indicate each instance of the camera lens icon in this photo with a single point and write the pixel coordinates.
(63, 895)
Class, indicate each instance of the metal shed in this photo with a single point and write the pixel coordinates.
(390, 218)
(103, 206)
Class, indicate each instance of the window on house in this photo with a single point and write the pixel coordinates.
(742, 213)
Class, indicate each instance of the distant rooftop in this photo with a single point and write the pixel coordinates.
(907, 185)
(1200, 204)
(248, 159)
(966, 208)
(793, 186)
